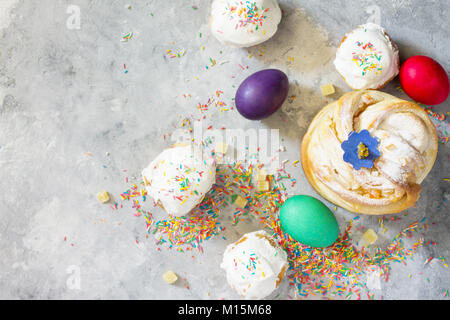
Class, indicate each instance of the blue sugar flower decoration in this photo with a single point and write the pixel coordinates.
(361, 149)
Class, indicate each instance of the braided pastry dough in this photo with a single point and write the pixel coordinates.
(408, 146)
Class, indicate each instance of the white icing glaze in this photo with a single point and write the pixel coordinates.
(179, 178)
(367, 58)
(234, 24)
(254, 266)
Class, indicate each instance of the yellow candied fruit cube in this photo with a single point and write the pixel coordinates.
(221, 148)
(263, 186)
(261, 175)
(327, 89)
(370, 236)
(170, 277)
(240, 202)
(103, 196)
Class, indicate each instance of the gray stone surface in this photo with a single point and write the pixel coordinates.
(64, 95)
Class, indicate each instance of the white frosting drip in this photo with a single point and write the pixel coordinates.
(254, 266)
(233, 24)
(179, 178)
(367, 58)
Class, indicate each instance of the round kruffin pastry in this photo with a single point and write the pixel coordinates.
(241, 23)
(367, 58)
(179, 178)
(408, 144)
(255, 265)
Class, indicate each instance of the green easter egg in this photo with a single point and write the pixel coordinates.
(309, 221)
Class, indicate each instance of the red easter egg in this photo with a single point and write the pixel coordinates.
(424, 80)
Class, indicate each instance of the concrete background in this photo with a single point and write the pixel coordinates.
(72, 121)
